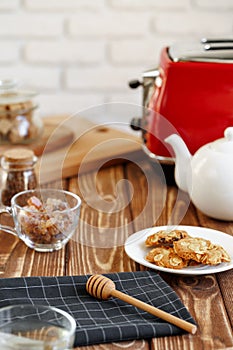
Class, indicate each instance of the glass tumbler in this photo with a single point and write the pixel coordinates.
(36, 327)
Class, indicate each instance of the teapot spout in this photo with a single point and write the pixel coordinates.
(182, 161)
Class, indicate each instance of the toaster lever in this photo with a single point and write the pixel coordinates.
(135, 124)
(134, 84)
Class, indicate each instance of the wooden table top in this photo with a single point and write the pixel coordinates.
(118, 201)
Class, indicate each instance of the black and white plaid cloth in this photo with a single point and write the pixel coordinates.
(101, 321)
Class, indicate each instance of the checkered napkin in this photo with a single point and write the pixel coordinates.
(101, 321)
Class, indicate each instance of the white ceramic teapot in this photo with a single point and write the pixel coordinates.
(208, 175)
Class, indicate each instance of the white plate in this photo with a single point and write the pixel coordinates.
(135, 248)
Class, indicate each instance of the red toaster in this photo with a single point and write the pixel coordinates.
(190, 93)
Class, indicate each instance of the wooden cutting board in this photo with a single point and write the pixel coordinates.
(75, 145)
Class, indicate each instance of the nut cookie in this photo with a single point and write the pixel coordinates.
(164, 237)
(166, 257)
(215, 256)
(157, 254)
(201, 250)
(192, 248)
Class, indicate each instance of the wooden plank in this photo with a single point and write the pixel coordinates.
(149, 193)
(12, 255)
(48, 264)
(225, 278)
(105, 223)
(225, 284)
(129, 345)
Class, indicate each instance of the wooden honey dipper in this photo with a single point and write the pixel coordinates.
(102, 287)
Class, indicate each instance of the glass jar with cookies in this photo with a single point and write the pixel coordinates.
(20, 122)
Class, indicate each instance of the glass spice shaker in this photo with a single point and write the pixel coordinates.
(17, 173)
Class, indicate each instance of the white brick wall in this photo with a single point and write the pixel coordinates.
(27, 25)
(65, 51)
(9, 5)
(149, 4)
(197, 23)
(108, 25)
(10, 51)
(80, 53)
(61, 5)
(35, 77)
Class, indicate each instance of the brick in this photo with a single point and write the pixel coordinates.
(67, 103)
(214, 4)
(87, 52)
(60, 5)
(33, 77)
(28, 25)
(194, 23)
(9, 4)
(100, 78)
(9, 51)
(137, 5)
(134, 97)
(134, 52)
(108, 25)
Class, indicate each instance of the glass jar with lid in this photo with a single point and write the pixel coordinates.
(20, 122)
(17, 173)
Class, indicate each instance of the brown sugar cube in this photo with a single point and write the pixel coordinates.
(35, 202)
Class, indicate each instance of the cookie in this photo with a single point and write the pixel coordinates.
(157, 254)
(166, 257)
(165, 237)
(225, 256)
(216, 255)
(192, 248)
(201, 250)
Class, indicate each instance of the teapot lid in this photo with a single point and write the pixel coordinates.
(224, 145)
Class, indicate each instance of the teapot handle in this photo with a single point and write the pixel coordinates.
(228, 133)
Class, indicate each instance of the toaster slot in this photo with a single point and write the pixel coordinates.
(209, 47)
(216, 41)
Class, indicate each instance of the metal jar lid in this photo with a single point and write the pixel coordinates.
(207, 50)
